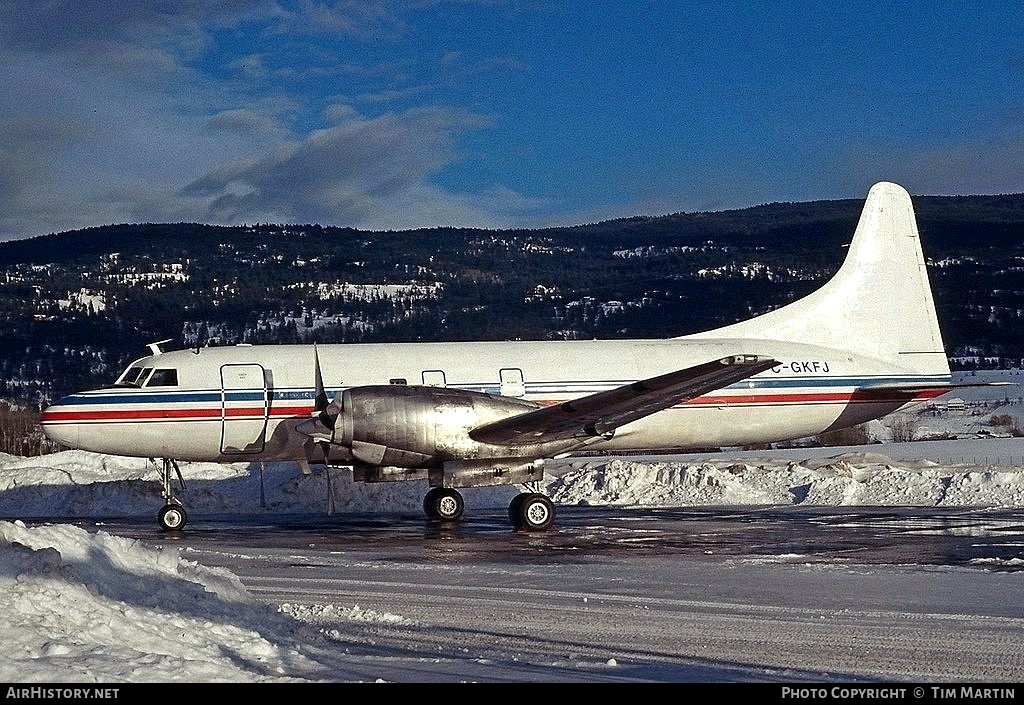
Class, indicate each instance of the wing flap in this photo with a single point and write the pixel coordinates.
(601, 413)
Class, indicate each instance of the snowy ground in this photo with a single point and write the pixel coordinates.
(78, 606)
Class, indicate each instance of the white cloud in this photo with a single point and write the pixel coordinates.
(371, 173)
(109, 115)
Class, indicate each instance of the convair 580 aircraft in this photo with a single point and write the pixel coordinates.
(460, 415)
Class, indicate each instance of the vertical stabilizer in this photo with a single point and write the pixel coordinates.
(878, 304)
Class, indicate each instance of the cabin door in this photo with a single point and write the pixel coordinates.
(244, 409)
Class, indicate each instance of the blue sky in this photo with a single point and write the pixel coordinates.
(494, 113)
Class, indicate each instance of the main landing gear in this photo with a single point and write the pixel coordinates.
(531, 511)
(172, 515)
(528, 511)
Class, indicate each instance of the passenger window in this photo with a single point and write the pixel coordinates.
(163, 378)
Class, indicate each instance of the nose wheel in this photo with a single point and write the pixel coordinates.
(172, 515)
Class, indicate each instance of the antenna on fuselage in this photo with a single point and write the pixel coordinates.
(155, 347)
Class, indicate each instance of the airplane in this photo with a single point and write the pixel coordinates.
(472, 414)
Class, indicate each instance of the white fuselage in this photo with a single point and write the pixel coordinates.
(241, 402)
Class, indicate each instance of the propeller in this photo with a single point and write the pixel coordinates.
(320, 427)
(321, 404)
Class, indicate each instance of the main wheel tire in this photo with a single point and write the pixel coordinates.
(172, 517)
(536, 512)
(444, 504)
(513, 510)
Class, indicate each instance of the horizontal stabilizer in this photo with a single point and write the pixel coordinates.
(910, 387)
(601, 413)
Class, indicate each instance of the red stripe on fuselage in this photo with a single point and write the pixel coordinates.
(170, 413)
(159, 414)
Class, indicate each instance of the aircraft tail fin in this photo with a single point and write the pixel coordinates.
(878, 304)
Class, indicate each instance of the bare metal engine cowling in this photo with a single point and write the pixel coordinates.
(414, 426)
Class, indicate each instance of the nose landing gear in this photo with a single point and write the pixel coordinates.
(172, 516)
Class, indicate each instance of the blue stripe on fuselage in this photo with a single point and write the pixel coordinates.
(150, 396)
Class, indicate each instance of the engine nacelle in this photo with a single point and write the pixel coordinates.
(487, 473)
(414, 426)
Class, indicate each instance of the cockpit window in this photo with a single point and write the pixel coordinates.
(129, 375)
(163, 378)
(134, 376)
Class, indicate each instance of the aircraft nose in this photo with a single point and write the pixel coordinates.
(58, 426)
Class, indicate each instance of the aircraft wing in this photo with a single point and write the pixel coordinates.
(603, 412)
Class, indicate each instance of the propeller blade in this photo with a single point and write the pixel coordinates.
(320, 401)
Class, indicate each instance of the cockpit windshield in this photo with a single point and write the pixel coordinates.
(134, 376)
(139, 376)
